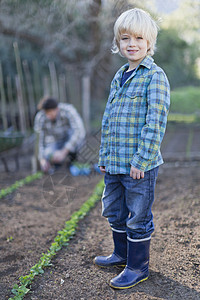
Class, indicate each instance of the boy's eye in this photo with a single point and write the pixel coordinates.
(139, 37)
(124, 38)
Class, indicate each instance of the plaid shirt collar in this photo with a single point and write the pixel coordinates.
(146, 62)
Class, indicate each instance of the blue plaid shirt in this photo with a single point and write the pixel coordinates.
(134, 120)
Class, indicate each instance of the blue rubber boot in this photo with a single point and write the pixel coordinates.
(137, 269)
(119, 255)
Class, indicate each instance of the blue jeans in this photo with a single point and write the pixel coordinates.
(50, 149)
(127, 203)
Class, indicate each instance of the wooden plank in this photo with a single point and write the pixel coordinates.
(86, 102)
(3, 101)
(22, 120)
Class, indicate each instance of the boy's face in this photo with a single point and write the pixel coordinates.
(134, 48)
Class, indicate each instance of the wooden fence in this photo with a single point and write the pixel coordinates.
(20, 96)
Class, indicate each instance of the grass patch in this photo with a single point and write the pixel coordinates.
(185, 105)
(191, 118)
(185, 100)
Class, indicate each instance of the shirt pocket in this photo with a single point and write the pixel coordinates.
(135, 102)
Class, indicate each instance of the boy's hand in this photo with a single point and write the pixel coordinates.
(136, 173)
(102, 169)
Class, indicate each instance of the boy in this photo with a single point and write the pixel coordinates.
(133, 127)
(60, 131)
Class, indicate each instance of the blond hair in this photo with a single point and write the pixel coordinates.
(138, 22)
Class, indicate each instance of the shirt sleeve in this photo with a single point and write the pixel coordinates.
(104, 138)
(103, 152)
(76, 127)
(158, 100)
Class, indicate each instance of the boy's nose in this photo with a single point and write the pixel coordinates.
(132, 41)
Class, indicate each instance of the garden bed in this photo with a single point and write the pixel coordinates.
(30, 219)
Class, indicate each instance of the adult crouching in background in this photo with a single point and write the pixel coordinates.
(60, 132)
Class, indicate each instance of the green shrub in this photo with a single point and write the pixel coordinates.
(185, 100)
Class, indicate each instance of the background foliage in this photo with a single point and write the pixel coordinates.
(77, 37)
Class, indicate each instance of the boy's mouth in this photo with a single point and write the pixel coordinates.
(132, 51)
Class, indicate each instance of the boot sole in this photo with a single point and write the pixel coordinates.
(115, 266)
(126, 287)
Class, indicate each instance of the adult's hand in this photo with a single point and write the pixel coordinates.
(59, 155)
(45, 165)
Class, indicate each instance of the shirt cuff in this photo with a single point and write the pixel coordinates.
(139, 163)
(101, 163)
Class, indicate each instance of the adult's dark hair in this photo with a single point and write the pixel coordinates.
(49, 103)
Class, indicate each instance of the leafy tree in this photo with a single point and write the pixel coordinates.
(77, 36)
(186, 20)
(177, 57)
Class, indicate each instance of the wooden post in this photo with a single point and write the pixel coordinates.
(31, 100)
(19, 66)
(62, 88)
(46, 86)
(22, 85)
(37, 82)
(22, 119)
(12, 104)
(54, 80)
(86, 102)
(3, 101)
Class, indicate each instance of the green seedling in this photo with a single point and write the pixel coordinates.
(62, 239)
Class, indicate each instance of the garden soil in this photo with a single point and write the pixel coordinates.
(31, 217)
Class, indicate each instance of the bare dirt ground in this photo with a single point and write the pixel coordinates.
(30, 219)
